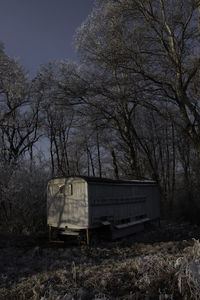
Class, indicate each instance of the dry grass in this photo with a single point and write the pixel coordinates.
(123, 270)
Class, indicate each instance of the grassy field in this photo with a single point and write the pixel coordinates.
(161, 263)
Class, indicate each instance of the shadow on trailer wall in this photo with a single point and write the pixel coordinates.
(91, 209)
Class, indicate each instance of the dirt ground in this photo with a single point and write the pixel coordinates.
(160, 263)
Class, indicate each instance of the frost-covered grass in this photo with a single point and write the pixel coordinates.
(128, 269)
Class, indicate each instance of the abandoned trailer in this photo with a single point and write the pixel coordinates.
(92, 208)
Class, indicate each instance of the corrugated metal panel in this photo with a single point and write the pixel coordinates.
(119, 202)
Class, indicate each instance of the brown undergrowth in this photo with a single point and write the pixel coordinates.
(146, 266)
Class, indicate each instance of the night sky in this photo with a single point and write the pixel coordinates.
(38, 31)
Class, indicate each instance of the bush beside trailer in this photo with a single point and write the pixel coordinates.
(94, 208)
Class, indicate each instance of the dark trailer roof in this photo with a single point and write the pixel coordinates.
(108, 180)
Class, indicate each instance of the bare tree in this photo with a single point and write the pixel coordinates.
(150, 40)
(19, 118)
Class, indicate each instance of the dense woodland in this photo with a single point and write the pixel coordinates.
(128, 109)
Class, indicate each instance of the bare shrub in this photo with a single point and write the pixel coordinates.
(23, 199)
(188, 272)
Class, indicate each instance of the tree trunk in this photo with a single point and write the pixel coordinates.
(115, 167)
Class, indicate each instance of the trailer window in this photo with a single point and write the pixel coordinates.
(70, 189)
(62, 189)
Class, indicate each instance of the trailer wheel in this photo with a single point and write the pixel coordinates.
(94, 240)
(53, 234)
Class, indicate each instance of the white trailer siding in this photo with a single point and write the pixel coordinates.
(67, 203)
